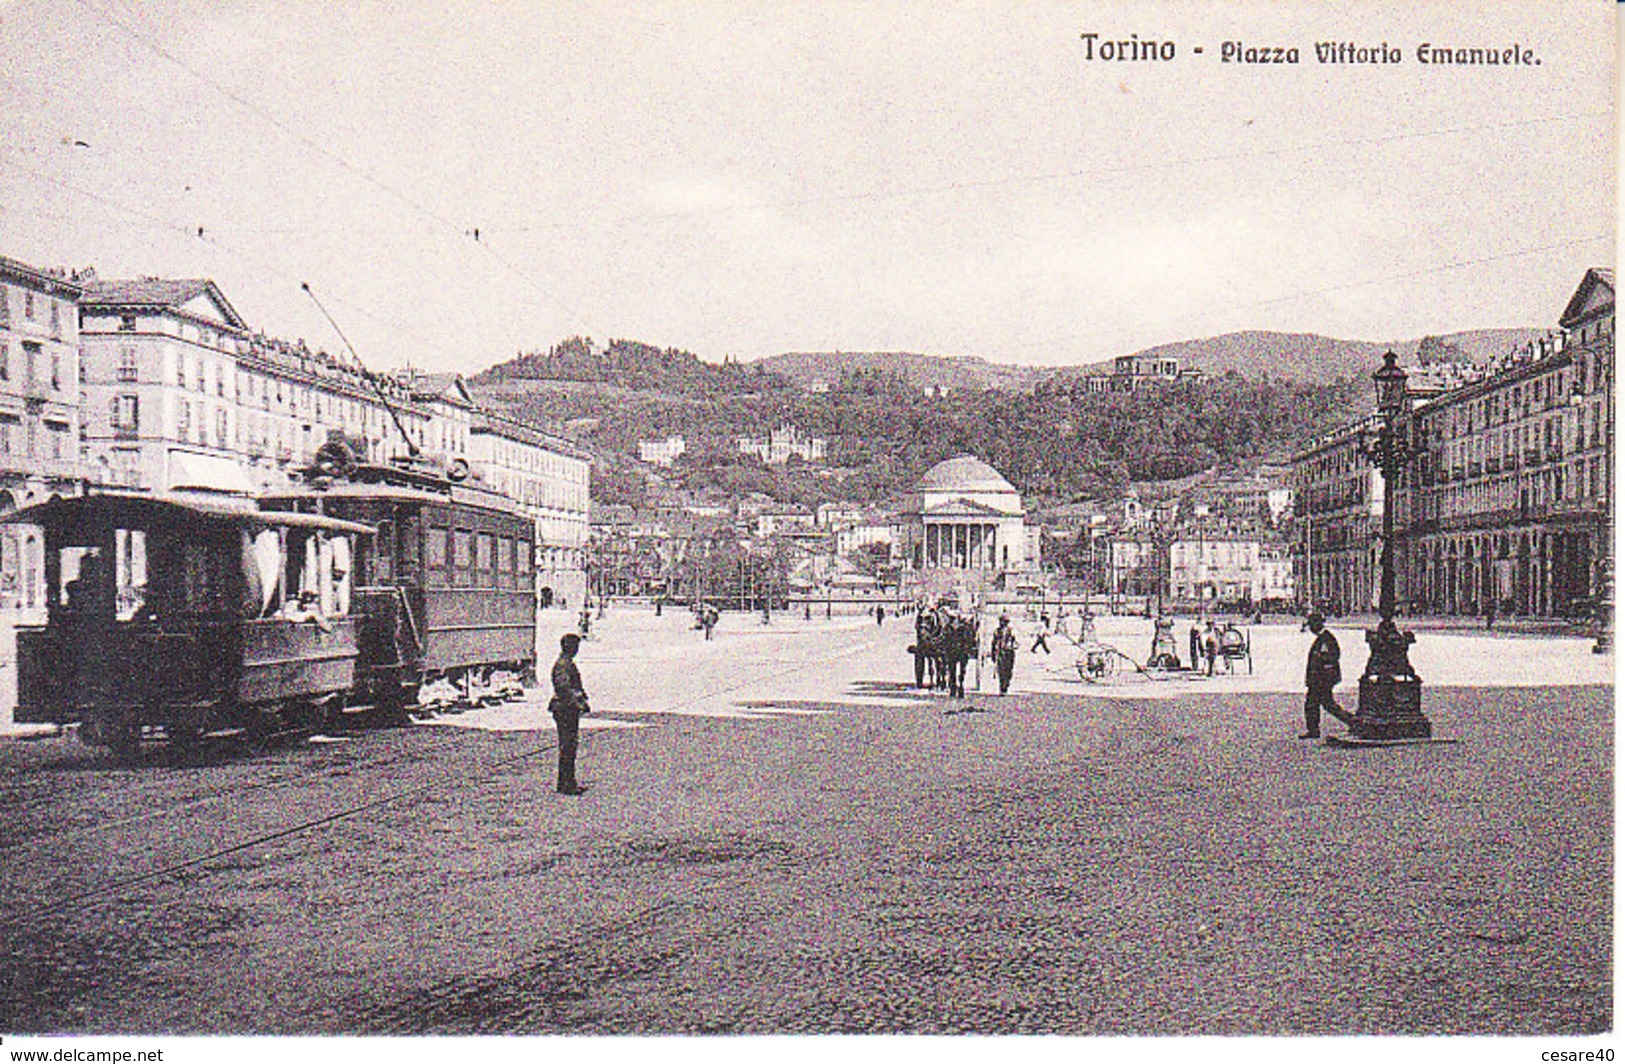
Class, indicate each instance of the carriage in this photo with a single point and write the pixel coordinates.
(445, 589)
(184, 613)
(1235, 645)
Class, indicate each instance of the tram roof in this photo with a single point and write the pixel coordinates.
(460, 494)
(148, 507)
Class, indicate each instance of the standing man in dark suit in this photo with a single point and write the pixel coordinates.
(1004, 652)
(1321, 675)
(569, 703)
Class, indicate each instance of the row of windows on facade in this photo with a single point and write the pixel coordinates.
(1584, 480)
(52, 309)
(21, 436)
(1527, 444)
(196, 375)
(34, 362)
(1520, 401)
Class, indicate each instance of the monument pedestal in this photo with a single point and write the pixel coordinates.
(1390, 690)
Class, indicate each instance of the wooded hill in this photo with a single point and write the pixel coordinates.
(1057, 442)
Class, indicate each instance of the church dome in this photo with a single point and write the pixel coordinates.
(964, 474)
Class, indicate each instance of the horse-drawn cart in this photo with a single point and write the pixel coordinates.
(1235, 645)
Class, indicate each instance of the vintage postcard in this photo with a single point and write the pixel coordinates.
(875, 518)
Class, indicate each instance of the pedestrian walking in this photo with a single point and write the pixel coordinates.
(659, 602)
(923, 632)
(568, 704)
(708, 620)
(1004, 652)
(585, 625)
(1196, 647)
(1210, 646)
(880, 614)
(1040, 640)
(1322, 673)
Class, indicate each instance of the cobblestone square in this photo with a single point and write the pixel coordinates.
(781, 835)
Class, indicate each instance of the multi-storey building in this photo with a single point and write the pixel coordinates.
(662, 452)
(779, 446)
(548, 476)
(1511, 486)
(1133, 565)
(39, 413)
(180, 393)
(1130, 373)
(1506, 502)
(1339, 499)
(1223, 567)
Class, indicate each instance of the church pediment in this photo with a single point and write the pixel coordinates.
(961, 508)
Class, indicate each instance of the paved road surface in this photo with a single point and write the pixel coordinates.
(780, 836)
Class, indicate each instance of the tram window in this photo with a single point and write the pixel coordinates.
(383, 562)
(435, 550)
(482, 560)
(407, 562)
(83, 582)
(461, 556)
(130, 572)
(505, 561)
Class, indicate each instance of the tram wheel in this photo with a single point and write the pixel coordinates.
(123, 738)
(184, 741)
(316, 716)
(392, 703)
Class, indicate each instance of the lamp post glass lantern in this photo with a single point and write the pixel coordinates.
(1390, 690)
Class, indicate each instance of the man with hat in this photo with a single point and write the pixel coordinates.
(569, 703)
(1322, 674)
(1004, 652)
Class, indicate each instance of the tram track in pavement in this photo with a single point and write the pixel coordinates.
(444, 781)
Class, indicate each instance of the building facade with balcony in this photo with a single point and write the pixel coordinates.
(548, 476)
(1339, 498)
(179, 392)
(1511, 485)
(39, 414)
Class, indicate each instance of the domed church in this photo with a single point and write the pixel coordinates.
(967, 519)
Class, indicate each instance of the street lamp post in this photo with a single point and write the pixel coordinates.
(1390, 690)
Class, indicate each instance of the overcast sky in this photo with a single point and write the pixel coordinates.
(749, 178)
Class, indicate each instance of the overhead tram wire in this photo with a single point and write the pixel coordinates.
(1369, 282)
(195, 232)
(462, 231)
(248, 105)
(449, 781)
(411, 447)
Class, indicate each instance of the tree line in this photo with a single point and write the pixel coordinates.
(1060, 442)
